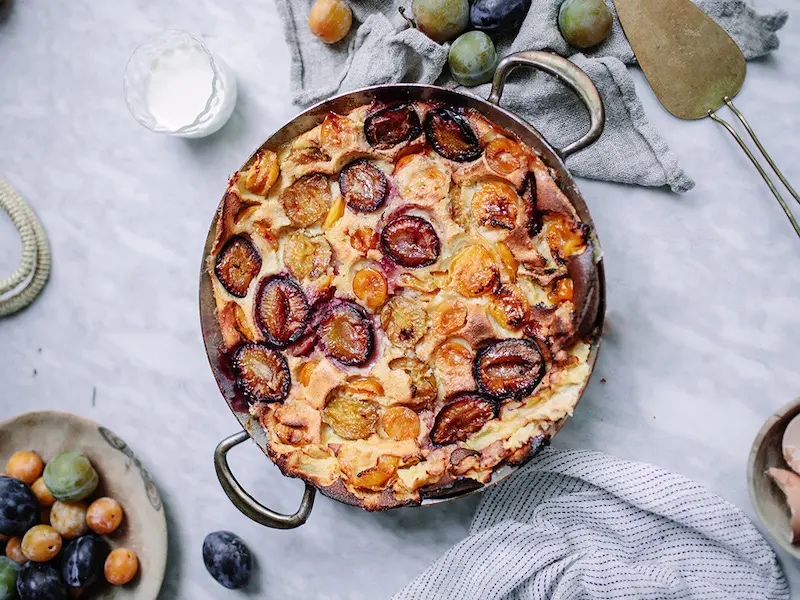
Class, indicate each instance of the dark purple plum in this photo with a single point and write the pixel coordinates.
(262, 373)
(498, 16)
(83, 559)
(410, 241)
(40, 581)
(19, 510)
(346, 334)
(363, 186)
(451, 135)
(281, 310)
(237, 264)
(462, 415)
(391, 125)
(227, 559)
(509, 368)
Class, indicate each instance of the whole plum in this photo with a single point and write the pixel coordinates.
(498, 16)
(472, 58)
(8, 578)
(83, 560)
(70, 477)
(40, 581)
(441, 20)
(19, 510)
(227, 559)
(585, 23)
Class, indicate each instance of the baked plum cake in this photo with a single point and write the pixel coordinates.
(402, 292)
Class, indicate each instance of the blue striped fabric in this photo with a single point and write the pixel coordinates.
(577, 525)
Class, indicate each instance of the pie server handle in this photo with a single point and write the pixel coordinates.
(248, 505)
(567, 72)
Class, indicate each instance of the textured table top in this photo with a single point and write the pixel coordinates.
(703, 291)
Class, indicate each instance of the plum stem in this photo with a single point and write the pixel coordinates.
(409, 20)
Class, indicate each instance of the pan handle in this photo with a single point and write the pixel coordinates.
(248, 505)
(568, 73)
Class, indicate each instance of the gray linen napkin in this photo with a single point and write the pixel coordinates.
(382, 49)
(581, 525)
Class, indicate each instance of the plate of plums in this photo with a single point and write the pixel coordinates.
(79, 514)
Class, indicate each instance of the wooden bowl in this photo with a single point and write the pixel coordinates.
(122, 476)
(766, 496)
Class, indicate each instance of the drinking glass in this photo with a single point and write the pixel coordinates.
(138, 84)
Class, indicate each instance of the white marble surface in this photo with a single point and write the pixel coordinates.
(703, 291)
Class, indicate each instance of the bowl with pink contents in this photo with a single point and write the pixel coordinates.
(773, 474)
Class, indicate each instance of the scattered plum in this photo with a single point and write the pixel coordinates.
(472, 58)
(227, 559)
(330, 20)
(585, 23)
(498, 16)
(441, 20)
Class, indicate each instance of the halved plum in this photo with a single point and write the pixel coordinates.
(346, 334)
(451, 135)
(262, 373)
(307, 200)
(509, 368)
(461, 416)
(411, 241)
(363, 185)
(281, 310)
(391, 125)
(237, 264)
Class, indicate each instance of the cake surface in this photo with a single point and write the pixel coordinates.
(400, 292)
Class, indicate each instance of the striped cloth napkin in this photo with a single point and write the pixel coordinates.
(576, 525)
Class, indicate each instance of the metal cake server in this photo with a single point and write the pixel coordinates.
(694, 68)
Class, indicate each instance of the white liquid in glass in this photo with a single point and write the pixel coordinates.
(173, 84)
(179, 86)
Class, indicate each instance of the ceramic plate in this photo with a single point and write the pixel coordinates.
(122, 476)
(766, 496)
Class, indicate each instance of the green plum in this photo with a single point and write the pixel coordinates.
(8, 578)
(585, 23)
(441, 20)
(472, 58)
(70, 477)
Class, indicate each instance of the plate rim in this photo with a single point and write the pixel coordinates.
(61, 414)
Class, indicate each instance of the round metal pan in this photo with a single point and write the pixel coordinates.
(591, 323)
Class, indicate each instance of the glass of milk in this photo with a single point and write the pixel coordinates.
(174, 85)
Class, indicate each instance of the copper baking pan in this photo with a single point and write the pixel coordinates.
(591, 321)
